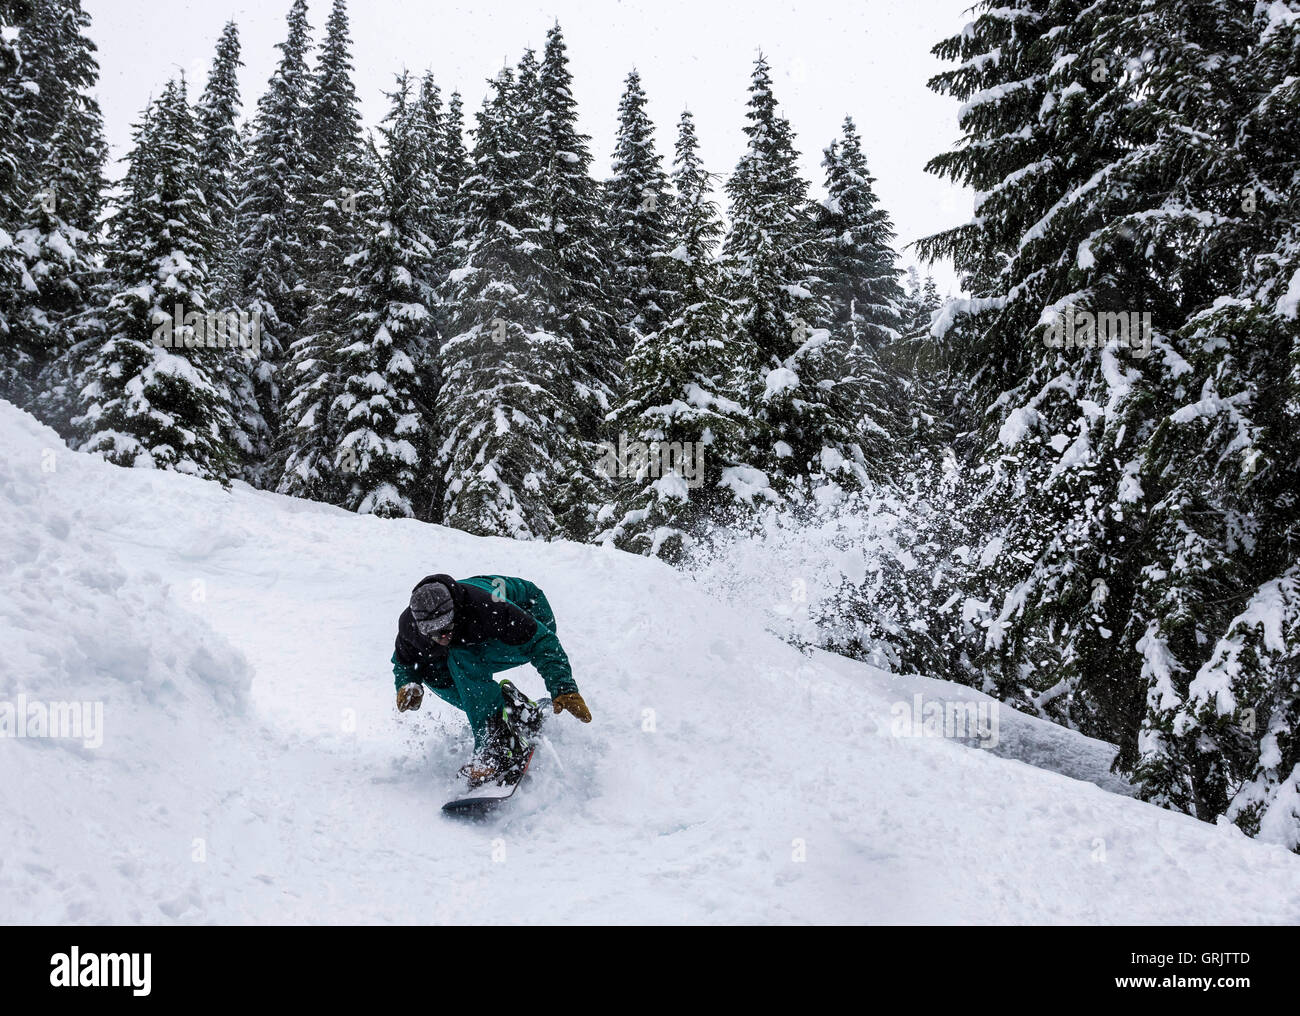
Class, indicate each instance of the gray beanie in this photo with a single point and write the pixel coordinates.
(432, 608)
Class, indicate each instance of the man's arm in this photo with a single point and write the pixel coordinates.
(543, 648)
(445, 690)
(402, 674)
(435, 674)
(546, 654)
(501, 597)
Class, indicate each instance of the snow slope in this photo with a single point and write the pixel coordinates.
(253, 767)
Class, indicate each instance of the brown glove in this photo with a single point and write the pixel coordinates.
(572, 701)
(409, 696)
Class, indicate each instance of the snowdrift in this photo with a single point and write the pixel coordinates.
(253, 768)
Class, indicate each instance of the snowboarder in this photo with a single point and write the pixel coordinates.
(455, 635)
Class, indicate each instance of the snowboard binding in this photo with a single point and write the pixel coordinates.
(508, 746)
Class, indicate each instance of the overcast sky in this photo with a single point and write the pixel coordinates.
(868, 59)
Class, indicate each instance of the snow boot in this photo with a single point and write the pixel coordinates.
(502, 759)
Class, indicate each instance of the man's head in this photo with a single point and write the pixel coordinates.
(433, 611)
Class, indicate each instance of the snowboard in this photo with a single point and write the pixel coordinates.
(485, 799)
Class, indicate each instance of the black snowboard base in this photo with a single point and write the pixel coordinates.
(486, 799)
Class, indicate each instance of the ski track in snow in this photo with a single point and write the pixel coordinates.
(316, 802)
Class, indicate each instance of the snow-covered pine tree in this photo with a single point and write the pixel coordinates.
(581, 314)
(13, 17)
(504, 379)
(1020, 162)
(804, 431)
(636, 201)
(934, 391)
(55, 205)
(435, 224)
(866, 301)
(381, 455)
(930, 300)
(148, 403)
(272, 254)
(54, 68)
(679, 421)
(314, 466)
(337, 221)
(331, 185)
(861, 273)
(434, 217)
(925, 363)
(911, 297)
(454, 167)
(1220, 598)
(222, 144)
(217, 113)
(252, 432)
(1003, 57)
(1124, 558)
(440, 175)
(920, 301)
(453, 170)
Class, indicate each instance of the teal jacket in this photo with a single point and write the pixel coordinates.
(501, 622)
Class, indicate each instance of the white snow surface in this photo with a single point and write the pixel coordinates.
(254, 768)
